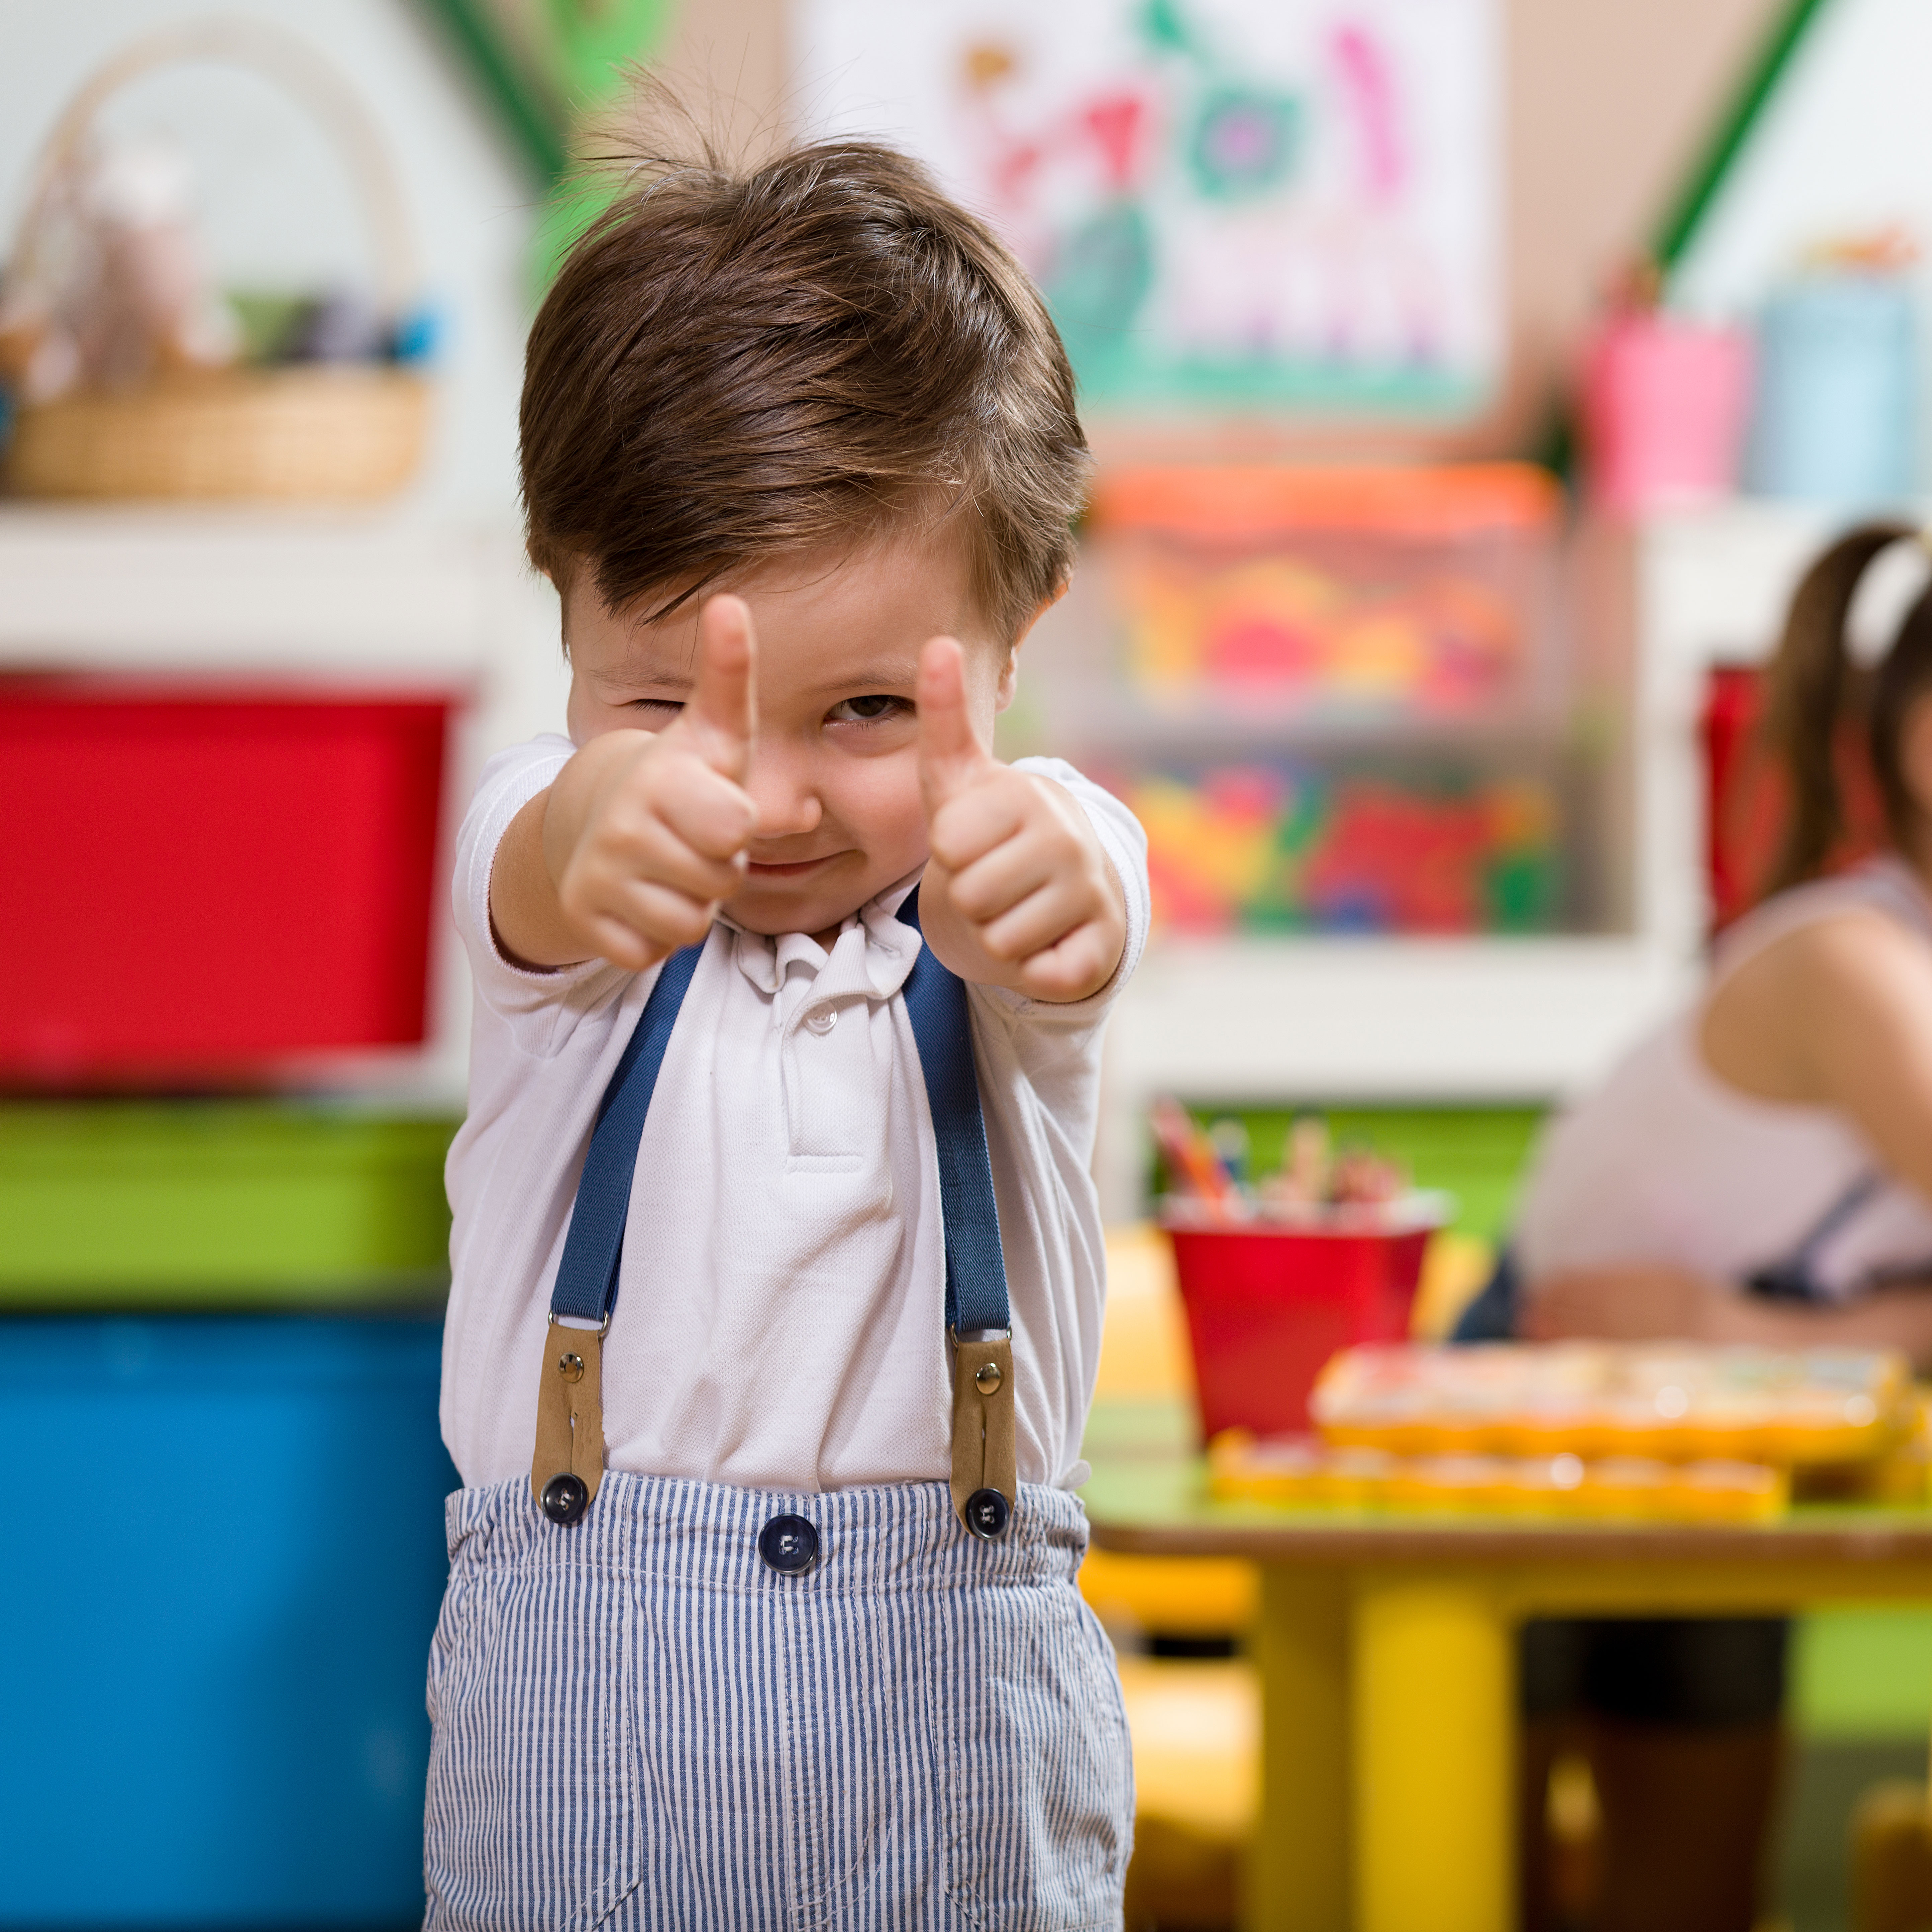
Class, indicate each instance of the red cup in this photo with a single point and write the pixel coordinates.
(1267, 1307)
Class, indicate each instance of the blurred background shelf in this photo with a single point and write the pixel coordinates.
(228, 1203)
(311, 599)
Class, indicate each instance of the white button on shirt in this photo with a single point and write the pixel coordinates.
(780, 1315)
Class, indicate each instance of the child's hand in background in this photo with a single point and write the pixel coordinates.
(1019, 892)
(629, 854)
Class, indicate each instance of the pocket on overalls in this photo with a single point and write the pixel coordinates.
(1041, 1785)
(857, 1746)
(533, 1819)
(460, 1639)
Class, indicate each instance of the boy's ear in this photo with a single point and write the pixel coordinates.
(1009, 678)
(1009, 672)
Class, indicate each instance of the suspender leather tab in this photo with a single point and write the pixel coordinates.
(985, 1439)
(568, 1464)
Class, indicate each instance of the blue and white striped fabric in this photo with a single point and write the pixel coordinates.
(638, 1723)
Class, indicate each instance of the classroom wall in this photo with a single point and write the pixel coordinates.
(1607, 100)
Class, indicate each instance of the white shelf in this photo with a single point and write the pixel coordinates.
(1334, 1020)
(1390, 1019)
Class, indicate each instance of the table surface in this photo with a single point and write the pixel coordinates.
(1148, 1496)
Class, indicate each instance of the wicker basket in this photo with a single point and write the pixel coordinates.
(336, 431)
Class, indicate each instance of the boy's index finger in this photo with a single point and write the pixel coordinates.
(950, 754)
(721, 715)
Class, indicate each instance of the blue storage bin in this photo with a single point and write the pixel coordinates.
(223, 1566)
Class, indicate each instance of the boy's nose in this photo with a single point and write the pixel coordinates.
(787, 804)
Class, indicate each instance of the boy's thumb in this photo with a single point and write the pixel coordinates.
(950, 755)
(722, 713)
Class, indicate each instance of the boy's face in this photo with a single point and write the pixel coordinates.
(835, 758)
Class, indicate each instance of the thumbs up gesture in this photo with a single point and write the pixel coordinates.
(644, 834)
(1018, 892)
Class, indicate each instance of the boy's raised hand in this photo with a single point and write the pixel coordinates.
(1017, 892)
(644, 834)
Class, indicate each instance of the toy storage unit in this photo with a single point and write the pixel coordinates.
(220, 1315)
(1387, 783)
(227, 1562)
(1336, 699)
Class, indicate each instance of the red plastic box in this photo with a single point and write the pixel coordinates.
(1267, 1306)
(201, 880)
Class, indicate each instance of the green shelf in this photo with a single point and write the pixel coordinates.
(219, 1203)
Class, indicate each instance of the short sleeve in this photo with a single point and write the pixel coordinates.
(531, 1001)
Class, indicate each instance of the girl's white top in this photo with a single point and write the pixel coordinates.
(1666, 1164)
(780, 1315)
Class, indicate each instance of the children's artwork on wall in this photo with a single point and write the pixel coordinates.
(1228, 201)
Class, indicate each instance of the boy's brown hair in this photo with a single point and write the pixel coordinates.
(737, 364)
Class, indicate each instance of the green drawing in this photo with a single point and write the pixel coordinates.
(1246, 142)
(1105, 270)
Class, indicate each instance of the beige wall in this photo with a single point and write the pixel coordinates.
(1609, 102)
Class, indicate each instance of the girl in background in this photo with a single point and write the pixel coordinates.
(1758, 1170)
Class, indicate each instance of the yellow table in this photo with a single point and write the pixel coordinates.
(1386, 1646)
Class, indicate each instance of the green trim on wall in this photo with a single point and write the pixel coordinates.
(541, 133)
(568, 56)
(1761, 82)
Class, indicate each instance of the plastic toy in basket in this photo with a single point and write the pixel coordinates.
(1676, 1402)
(1301, 1473)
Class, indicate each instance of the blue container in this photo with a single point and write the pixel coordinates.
(223, 1562)
(1836, 415)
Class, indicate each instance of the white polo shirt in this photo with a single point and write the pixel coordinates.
(780, 1316)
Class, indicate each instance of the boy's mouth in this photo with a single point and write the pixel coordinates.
(795, 868)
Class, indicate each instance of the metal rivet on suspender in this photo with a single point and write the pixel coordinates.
(987, 1382)
(570, 1367)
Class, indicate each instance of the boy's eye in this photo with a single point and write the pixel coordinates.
(654, 711)
(868, 710)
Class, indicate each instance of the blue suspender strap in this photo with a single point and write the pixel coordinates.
(586, 1277)
(976, 1269)
(568, 1464)
(985, 1433)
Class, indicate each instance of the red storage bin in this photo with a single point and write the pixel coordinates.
(1267, 1307)
(1747, 800)
(201, 880)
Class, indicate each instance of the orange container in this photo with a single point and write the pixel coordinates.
(1267, 1306)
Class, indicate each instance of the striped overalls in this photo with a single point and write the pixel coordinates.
(669, 1704)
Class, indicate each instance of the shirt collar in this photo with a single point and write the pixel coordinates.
(872, 957)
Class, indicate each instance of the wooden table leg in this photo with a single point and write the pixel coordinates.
(1297, 1872)
(1434, 1756)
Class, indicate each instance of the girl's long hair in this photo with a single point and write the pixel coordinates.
(1814, 691)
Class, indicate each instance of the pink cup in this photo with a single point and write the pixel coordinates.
(1664, 407)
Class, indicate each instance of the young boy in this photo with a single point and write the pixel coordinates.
(778, 1269)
